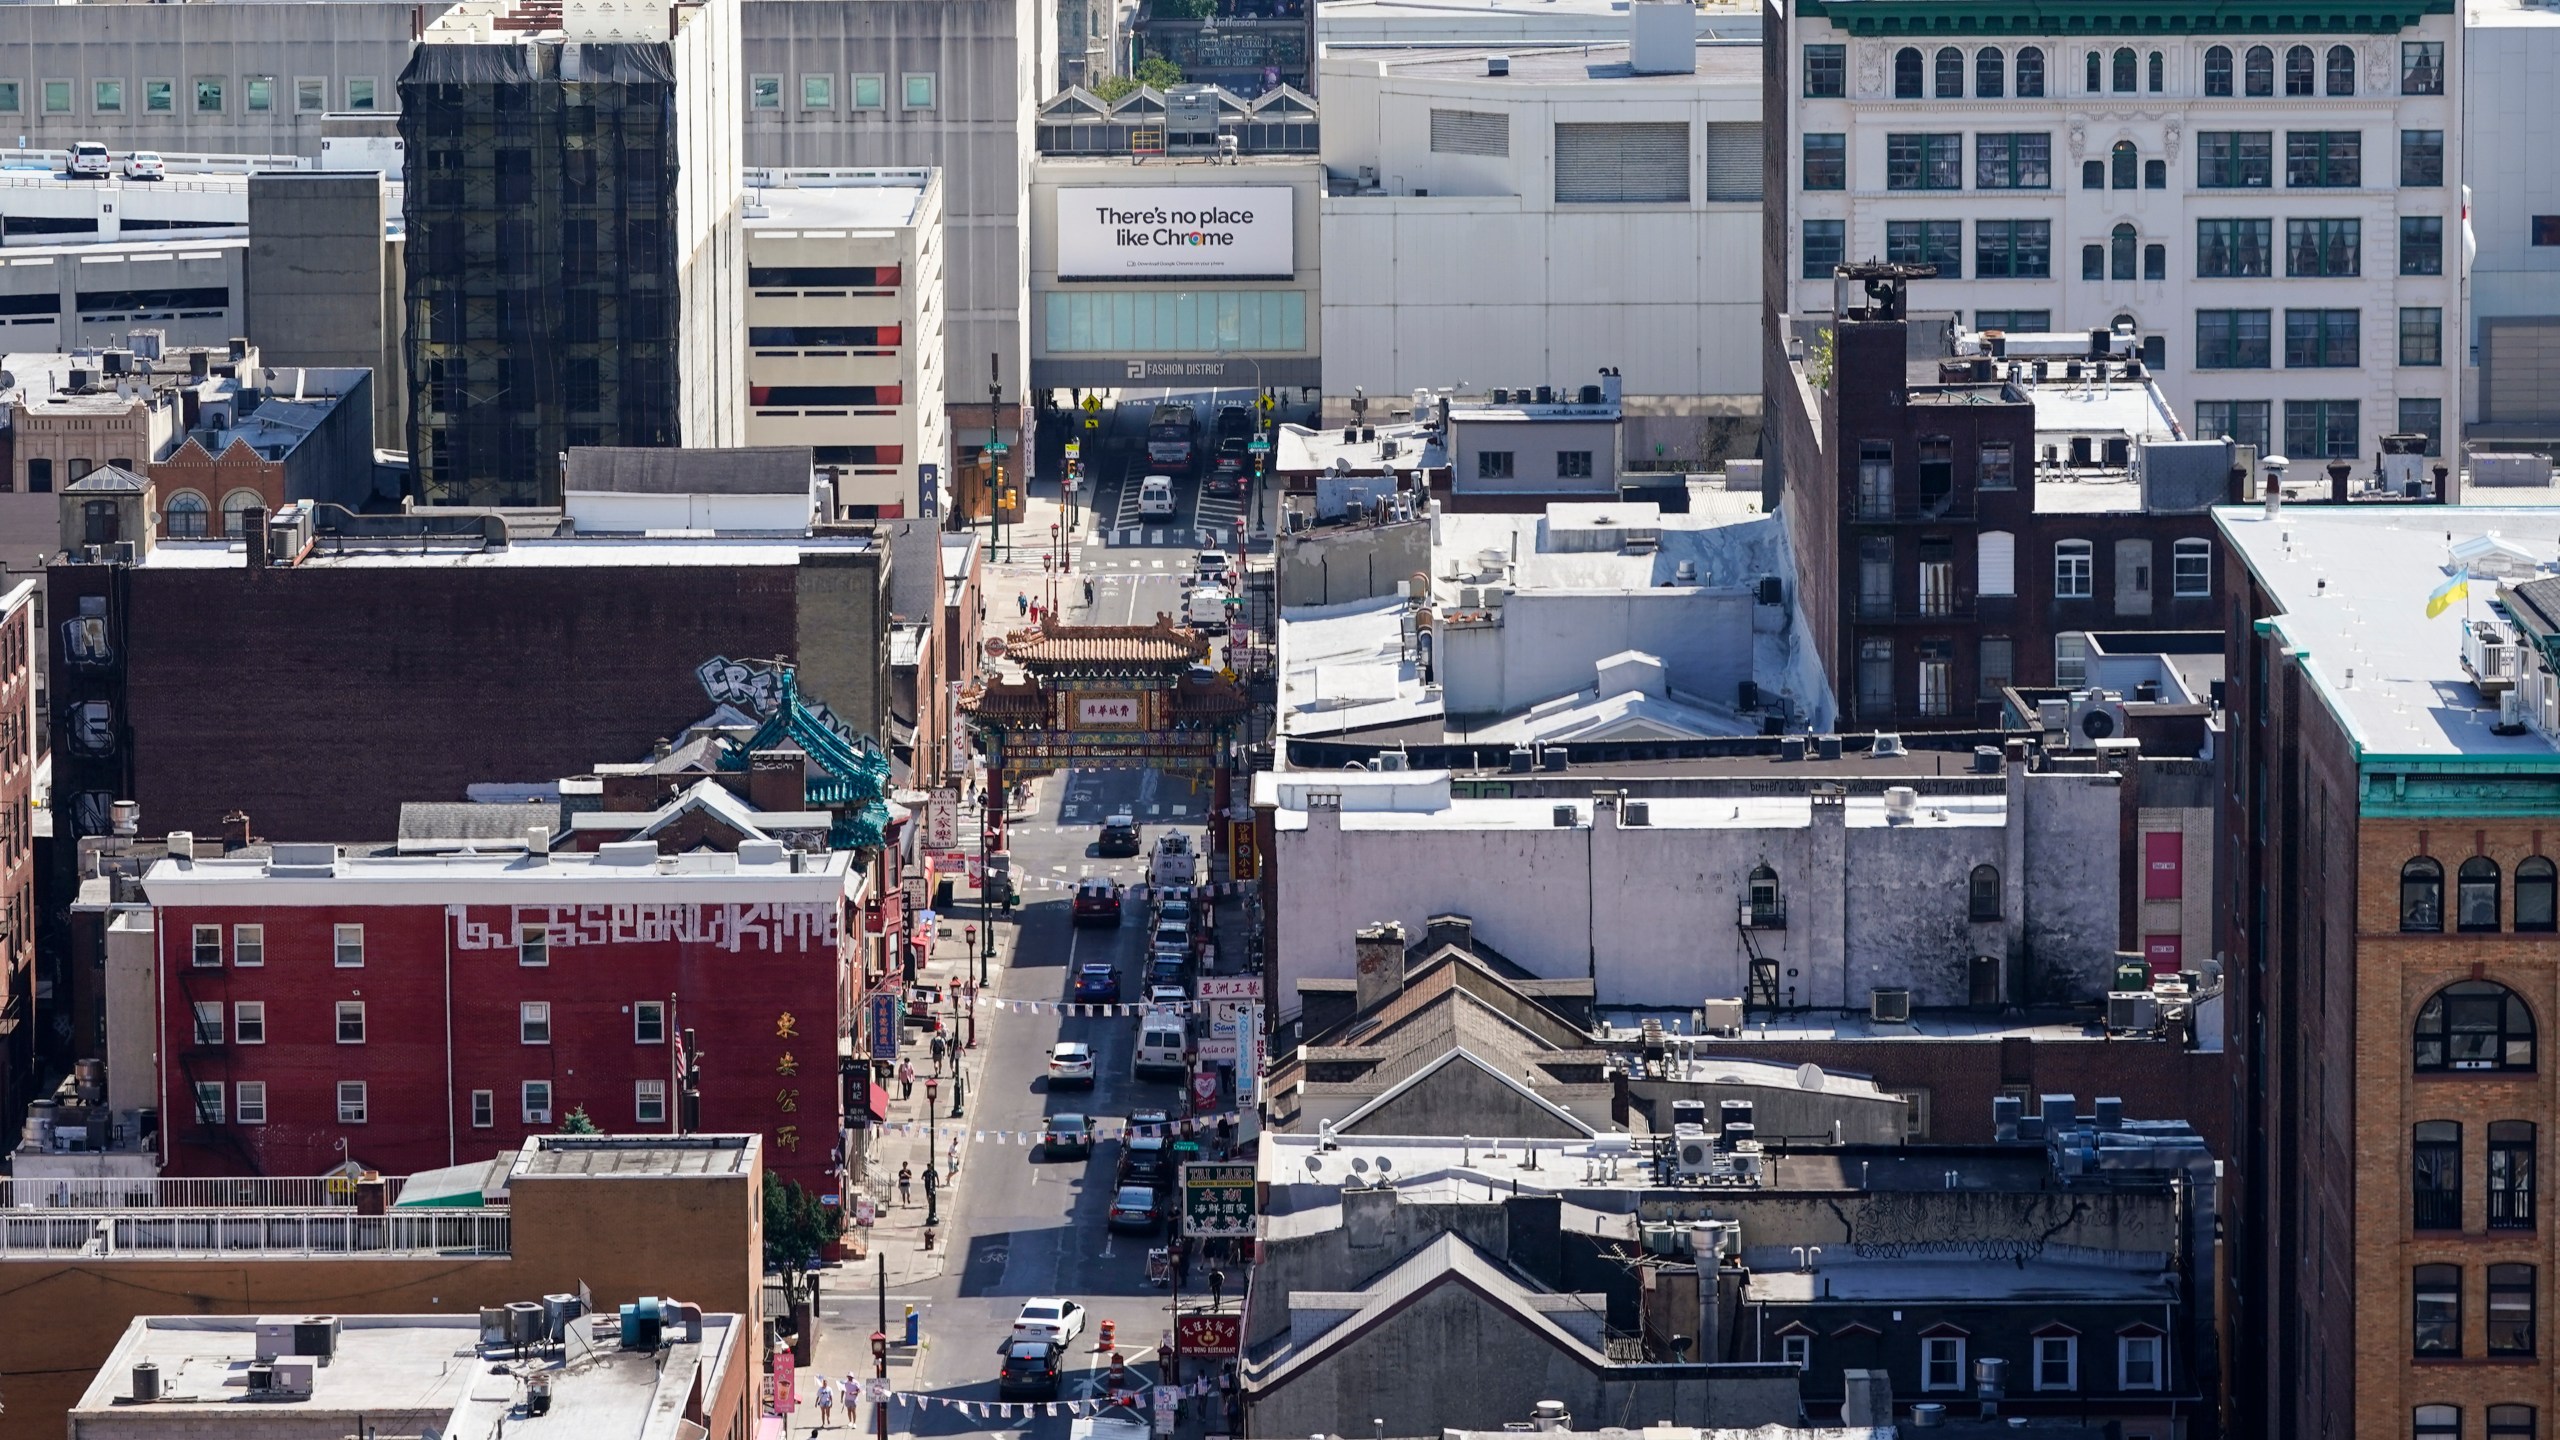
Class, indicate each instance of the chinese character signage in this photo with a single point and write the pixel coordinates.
(1217, 1198)
(1212, 1336)
(1230, 987)
(884, 1024)
(942, 821)
(1244, 859)
(1106, 711)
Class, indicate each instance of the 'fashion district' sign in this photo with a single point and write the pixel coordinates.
(1228, 232)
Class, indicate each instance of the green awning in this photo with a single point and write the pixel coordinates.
(456, 1187)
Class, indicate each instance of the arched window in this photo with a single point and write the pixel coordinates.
(2475, 894)
(1982, 894)
(2155, 262)
(2435, 1175)
(234, 505)
(2436, 1422)
(1906, 74)
(2159, 73)
(1951, 74)
(2258, 72)
(2155, 174)
(2422, 895)
(2093, 174)
(1990, 78)
(2096, 83)
(2120, 248)
(1762, 898)
(2031, 73)
(2297, 72)
(2124, 71)
(2512, 1422)
(2342, 70)
(188, 515)
(2093, 261)
(2217, 71)
(2126, 164)
(2535, 892)
(2473, 1025)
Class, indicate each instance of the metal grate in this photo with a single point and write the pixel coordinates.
(1622, 164)
(1477, 132)
(1734, 160)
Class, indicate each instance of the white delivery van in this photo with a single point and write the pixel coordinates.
(1155, 495)
(1164, 1046)
(1204, 608)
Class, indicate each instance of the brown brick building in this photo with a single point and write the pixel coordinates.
(2389, 852)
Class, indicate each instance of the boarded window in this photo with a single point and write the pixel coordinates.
(1734, 160)
(1996, 563)
(1470, 132)
(1622, 164)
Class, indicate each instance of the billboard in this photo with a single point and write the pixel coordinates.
(1206, 232)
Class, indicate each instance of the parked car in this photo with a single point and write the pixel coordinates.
(1174, 904)
(1119, 836)
(1070, 1063)
(1068, 1137)
(1211, 567)
(89, 160)
(1144, 1161)
(1170, 935)
(1098, 901)
(1167, 968)
(1168, 995)
(1135, 1208)
(1030, 1368)
(1097, 982)
(145, 165)
(1049, 1318)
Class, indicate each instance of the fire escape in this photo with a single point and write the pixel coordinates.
(205, 1059)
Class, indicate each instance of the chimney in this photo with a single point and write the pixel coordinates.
(1869, 1398)
(253, 536)
(537, 844)
(1710, 1347)
(1377, 965)
(778, 779)
(235, 831)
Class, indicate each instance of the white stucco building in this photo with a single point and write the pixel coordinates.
(2279, 204)
(2511, 94)
(1606, 205)
(844, 318)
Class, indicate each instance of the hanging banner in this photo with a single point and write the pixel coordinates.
(942, 821)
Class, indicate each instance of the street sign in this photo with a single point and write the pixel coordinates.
(884, 1025)
(1230, 987)
(1204, 1089)
(942, 820)
(998, 447)
(1093, 404)
(1211, 1336)
(1092, 424)
(1244, 855)
(1258, 445)
(1266, 404)
(1217, 1198)
(1074, 448)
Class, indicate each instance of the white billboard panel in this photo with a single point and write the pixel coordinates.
(1208, 232)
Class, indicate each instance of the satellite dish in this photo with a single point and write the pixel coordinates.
(1383, 1165)
(1359, 1166)
(1808, 1076)
(1314, 1163)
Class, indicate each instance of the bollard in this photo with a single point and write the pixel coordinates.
(1110, 1328)
(914, 1325)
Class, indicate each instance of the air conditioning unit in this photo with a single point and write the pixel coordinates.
(1889, 1007)
(2132, 1012)
(292, 1379)
(1720, 1017)
(2095, 716)
(1636, 812)
(1693, 1151)
(537, 1117)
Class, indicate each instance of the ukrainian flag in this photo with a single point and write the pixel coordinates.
(2448, 594)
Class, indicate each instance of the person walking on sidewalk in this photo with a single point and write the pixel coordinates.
(906, 1079)
(826, 1405)
(906, 1184)
(937, 1052)
(953, 1169)
(1022, 604)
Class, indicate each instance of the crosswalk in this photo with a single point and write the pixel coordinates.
(1167, 535)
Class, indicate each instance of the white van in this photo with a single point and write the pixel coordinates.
(1164, 1046)
(1204, 608)
(1155, 495)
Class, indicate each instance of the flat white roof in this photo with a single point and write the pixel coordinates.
(2102, 408)
(1420, 800)
(512, 878)
(2352, 582)
(1343, 667)
(886, 206)
(633, 552)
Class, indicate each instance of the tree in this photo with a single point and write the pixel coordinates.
(796, 1228)
(577, 1123)
(1154, 70)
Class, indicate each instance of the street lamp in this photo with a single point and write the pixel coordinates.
(880, 1368)
(932, 1147)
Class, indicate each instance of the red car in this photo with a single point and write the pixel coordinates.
(1097, 901)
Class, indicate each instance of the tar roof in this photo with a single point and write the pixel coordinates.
(389, 1366)
(2350, 585)
(640, 470)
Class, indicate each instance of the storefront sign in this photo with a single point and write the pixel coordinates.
(1113, 712)
(942, 821)
(1230, 232)
(884, 1025)
(1217, 1198)
(1210, 1336)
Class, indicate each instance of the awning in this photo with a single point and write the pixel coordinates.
(457, 1187)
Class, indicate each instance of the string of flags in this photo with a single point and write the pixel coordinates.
(1140, 893)
(1196, 1125)
(1139, 1398)
(1093, 1010)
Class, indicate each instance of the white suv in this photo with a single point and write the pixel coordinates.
(1070, 1063)
(145, 165)
(89, 160)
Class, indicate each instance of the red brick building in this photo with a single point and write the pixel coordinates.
(19, 749)
(409, 1012)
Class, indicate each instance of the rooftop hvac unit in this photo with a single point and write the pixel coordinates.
(1720, 1017)
(293, 1379)
(1636, 812)
(2132, 1012)
(1692, 1151)
(1565, 817)
(1889, 1007)
(2095, 716)
(1901, 803)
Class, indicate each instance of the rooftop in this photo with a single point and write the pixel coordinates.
(864, 200)
(1421, 800)
(643, 470)
(281, 421)
(760, 870)
(603, 552)
(646, 1155)
(1720, 62)
(1954, 1280)
(2352, 583)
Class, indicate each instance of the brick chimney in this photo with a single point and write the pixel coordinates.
(778, 779)
(1377, 965)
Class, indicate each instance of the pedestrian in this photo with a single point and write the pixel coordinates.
(906, 1183)
(906, 1079)
(937, 1052)
(1088, 592)
(954, 1167)
(1022, 604)
(826, 1405)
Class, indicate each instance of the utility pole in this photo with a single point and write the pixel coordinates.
(880, 1357)
(995, 454)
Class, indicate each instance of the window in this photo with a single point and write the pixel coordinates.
(57, 97)
(1875, 678)
(2330, 248)
(817, 92)
(360, 93)
(2534, 888)
(2435, 1175)
(1826, 72)
(2012, 249)
(1926, 242)
(2511, 1309)
(2070, 660)
(2421, 895)
(1998, 666)
(249, 945)
(533, 945)
(2093, 174)
(2235, 159)
(870, 92)
(107, 96)
(1995, 564)
(1493, 464)
(2421, 67)
(208, 946)
(917, 91)
(2511, 1147)
(188, 515)
(2031, 73)
(649, 1022)
(2323, 159)
(2511, 1422)
(2473, 1025)
(1826, 162)
(2120, 248)
(1989, 79)
(1937, 666)
(2340, 69)
(2191, 568)
(2092, 73)
(1573, 464)
(2013, 162)
(2155, 174)
(2155, 74)
(2476, 894)
(2421, 244)
(764, 92)
(2546, 230)
(533, 1022)
(251, 1106)
(484, 1109)
(2429, 1422)
(351, 1102)
(2297, 72)
(350, 1022)
(2421, 158)
(1906, 74)
(350, 946)
(1995, 466)
(2233, 339)
(208, 1018)
(2421, 335)
(1982, 892)
(2124, 165)
(2424, 415)
(208, 94)
(2071, 570)
(310, 95)
(2320, 429)
(2138, 1364)
(2321, 339)
(1942, 1356)
(649, 1102)
(261, 90)
(2122, 70)
(2245, 422)
(537, 1102)
(1924, 162)
(1875, 490)
(208, 1102)
(2217, 71)
(1950, 74)
(1823, 242)
(10, 100)
(2258, 72)
(2057, 1362)
(249, 1022)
